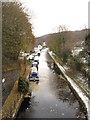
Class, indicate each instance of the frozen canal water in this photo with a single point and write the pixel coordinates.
(51, 97)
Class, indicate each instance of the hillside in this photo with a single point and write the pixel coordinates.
(40, 40)
(70, 49)
(73, 38)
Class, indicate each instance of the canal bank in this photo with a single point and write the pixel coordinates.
(78, 91)
(14, 100)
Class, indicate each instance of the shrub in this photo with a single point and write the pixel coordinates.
(76, 63)
(84, 72)
(23, 85)
(66, 55)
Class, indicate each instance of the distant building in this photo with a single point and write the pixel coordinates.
(39, 47)
(44, 44)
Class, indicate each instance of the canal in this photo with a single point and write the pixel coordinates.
(51, 97)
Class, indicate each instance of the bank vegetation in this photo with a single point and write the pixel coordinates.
(17, 34)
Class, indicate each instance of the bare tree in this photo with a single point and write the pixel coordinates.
(62, 28)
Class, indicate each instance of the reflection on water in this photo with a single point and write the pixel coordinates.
(51, 97)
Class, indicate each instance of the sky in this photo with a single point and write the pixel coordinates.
(48, 15)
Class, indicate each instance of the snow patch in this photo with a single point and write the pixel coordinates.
(84, 98)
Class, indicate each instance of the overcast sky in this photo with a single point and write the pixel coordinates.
(47, 15)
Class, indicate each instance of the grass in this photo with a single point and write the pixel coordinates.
(11, 65)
